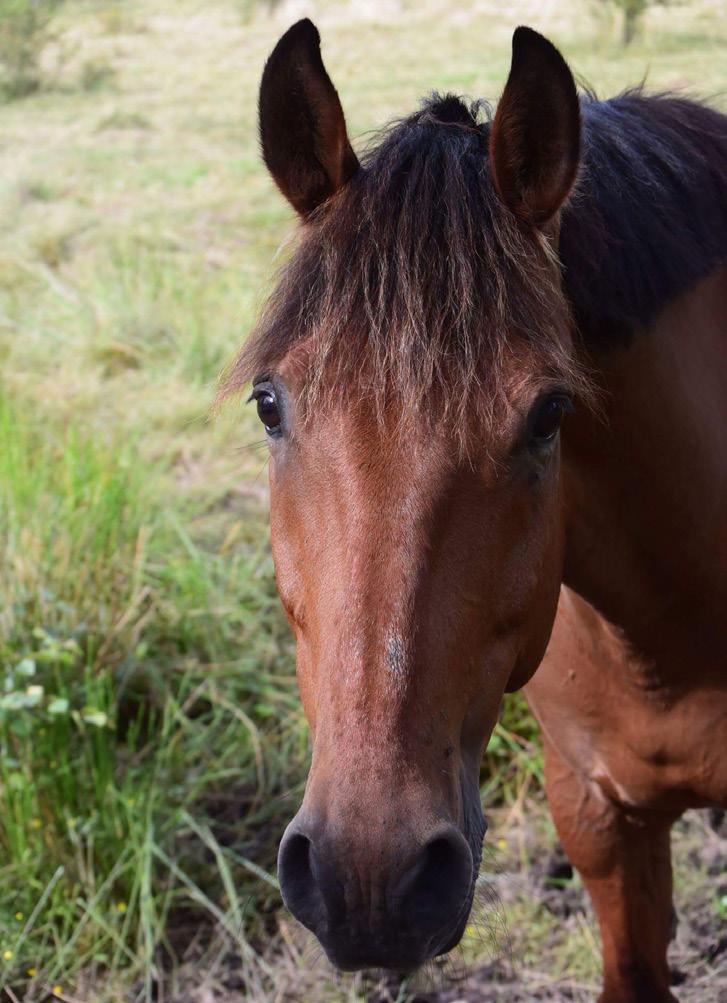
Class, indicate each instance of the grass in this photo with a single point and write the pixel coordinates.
(151, 744)
(123, 715)
(25, 27)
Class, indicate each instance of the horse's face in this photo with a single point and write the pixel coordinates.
(420, 578)
(419, 586)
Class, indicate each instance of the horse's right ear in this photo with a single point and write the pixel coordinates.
(302, 128)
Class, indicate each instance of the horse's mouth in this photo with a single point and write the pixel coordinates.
(402, 958)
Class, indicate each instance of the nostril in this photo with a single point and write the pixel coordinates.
(436, 874)
(436, 888)
(294, 869)
(298, 884)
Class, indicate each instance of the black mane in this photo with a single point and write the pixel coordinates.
(648, 218)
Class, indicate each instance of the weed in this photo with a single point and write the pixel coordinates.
(24, 33)
(95, 75)
(124, 120)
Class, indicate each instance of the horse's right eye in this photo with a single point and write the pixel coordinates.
(546, 420)
(267, 409)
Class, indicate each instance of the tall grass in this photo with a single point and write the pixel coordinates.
(158, 310)
(140, 674)
(24, 33)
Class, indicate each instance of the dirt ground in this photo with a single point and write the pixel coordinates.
(698, 955)
(533, 937)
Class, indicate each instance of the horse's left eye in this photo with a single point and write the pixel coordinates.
(267, 409)
(547, 419)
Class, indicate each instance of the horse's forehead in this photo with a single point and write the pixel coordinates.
(399, 453)
(520, 370)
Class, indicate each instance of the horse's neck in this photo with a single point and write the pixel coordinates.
(646, 489)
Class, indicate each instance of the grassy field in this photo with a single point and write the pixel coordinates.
(151, 745)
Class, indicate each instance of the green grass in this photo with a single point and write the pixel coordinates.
(138, 670)
(151, 743)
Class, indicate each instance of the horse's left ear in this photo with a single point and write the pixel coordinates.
(535, 137)
(302, 128)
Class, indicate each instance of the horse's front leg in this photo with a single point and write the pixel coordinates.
(625, 862)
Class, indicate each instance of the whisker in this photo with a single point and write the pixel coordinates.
(250, 445)
(260, 472)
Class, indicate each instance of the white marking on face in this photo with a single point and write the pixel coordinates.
(396, 656)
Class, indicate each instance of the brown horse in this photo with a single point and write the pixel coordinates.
(451, 298)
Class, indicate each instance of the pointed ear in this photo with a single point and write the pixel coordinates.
(535, 137)
(302, 128)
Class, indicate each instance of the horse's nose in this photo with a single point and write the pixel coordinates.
(421, 902)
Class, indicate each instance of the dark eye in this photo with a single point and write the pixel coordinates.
(267, 408)
(547, 419)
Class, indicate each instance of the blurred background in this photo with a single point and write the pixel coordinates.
(151, 743)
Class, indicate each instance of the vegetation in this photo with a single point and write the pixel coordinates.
(151, 743)
(632, 11)
(24, 33)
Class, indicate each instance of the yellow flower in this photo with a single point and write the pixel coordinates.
(35, 823)
(57, 990)
(18, 916)
(502, 844)
(7, 955)
(121, 907)
(31, 973)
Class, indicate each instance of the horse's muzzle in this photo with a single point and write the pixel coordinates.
(397, 915)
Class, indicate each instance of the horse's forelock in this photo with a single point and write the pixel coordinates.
(414, 282)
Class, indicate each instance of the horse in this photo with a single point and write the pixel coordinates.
(492, 378)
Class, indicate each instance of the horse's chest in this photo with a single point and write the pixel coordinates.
(645, 745)
(671, 758)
